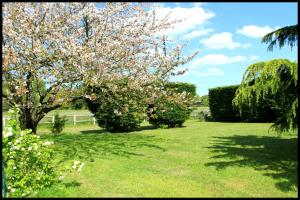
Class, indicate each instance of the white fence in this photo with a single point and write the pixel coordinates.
(52, 118)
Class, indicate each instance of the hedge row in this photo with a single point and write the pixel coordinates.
(221, 108)
(220, 104)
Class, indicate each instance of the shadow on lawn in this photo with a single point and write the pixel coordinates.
(100, 131)
(94, 145)
(276, 155)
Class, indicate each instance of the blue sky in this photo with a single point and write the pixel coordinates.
(228, 37)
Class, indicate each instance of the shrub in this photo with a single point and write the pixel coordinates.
(172, 107)
(119, 109)
(27, 160)
(168, 112)
(59, 124)
(220, 103)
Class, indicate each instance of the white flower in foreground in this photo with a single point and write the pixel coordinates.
(7, 134)
(47, 143)
(61, 178)
(80, 167)
(16, 147)
(29, 148)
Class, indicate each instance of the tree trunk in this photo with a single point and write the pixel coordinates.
(27, 120)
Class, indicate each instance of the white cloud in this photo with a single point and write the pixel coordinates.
(209, 72)
(198, 4)
(192, 17)
(222, 40)
(256, 31)
(253, 57)
(215, 59)
(197, 33)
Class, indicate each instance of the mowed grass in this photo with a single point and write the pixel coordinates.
(202, 159)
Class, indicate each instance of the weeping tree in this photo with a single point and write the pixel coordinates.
(284, 36)
(49, 49)
(277, 78)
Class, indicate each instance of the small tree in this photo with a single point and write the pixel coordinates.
(59, 124)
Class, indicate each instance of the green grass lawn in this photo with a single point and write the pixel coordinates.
(203, 159)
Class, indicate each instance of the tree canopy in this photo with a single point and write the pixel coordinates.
(63, 45)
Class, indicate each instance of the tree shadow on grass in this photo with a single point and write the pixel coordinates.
(88, 147)
(279, 156)
(100, 131)
(72, 184)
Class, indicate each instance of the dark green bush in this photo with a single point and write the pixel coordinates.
(220, 104)
(173, 106)
(168, 112)
(58, 125)
(117, 111)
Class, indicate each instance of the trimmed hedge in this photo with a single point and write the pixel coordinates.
(221, 108)
(220, 104)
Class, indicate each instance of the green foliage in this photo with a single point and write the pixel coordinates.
(277, 78)
(79, 104)
(5, 105)
(168, 112)
(222, 109)
(120, 110)
(59, 124)
(173, 106)
(27, 159)
(286, 35)
(204, 100)
(204, 116)
(180, 87)
(220, 104)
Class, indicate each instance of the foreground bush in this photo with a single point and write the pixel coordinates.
(119, 110)
(27, 160)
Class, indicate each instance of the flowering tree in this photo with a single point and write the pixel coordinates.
(51, 48)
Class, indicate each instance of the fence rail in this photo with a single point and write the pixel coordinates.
(74, 121)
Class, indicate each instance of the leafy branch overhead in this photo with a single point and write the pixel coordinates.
(286, 35)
